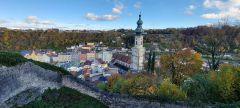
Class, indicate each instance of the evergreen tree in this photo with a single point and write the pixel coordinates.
(149, 61)
(153, 62)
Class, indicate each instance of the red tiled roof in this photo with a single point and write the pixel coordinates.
(122, 58)
(100, 61)
(84, 51)
(88, 62)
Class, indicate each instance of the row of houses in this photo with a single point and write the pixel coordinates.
(80, 55)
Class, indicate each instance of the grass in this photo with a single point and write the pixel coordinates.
(50, 67)
(13, 59)
(64, 98)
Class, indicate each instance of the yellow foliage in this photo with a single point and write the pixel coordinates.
(212, 75)
(171, 90)
(182, 64)
(225, 82)
(139, 85)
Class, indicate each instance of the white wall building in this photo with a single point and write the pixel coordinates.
(44, 58)
(138, 51)
(106, 56)
(62, 58)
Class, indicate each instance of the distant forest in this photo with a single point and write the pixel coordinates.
(15, 40)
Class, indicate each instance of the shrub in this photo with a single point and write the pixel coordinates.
(199, 87)
(138, 85)
(171, 90)
(225, 82)
(216, 86)
(112, 80)
(117, 86)
(102, 86)
(126, 86)
(65, 98)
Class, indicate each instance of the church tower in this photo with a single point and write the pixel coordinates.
(138, 51)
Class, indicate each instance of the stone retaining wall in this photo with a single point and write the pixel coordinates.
(17, 79)
(112, 100)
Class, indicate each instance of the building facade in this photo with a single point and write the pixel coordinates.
(106, 56)
(138, 51)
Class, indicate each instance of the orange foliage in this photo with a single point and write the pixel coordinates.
(183, 63)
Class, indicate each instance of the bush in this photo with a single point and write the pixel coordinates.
(117, 86)
(220, 86)
(112, 80)
(171, 90)
(126, 86)
(200, 87)
(65, 98)
(138, 85)
(102, 86)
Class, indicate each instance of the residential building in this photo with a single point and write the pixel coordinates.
(83, 54)
(91, 55)
(106, 56)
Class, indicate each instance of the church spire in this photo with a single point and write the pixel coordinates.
(139, 30)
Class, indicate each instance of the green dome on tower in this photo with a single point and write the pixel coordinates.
(139, 30)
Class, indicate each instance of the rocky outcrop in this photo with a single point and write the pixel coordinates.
(16, 83)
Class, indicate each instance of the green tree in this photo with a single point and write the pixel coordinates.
(117, 86)
(149, 61)
(153, 62)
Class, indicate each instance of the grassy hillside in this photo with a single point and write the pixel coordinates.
(12, 59)
(64, 98)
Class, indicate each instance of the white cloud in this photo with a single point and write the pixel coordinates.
(190, 10)
(32, 22)
(3, 21)
(118, 8)
(94, 17)
(35, 20)
(213, 4)
(138, 5)
(225, 9)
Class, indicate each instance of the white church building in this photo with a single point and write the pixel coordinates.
(138, 51)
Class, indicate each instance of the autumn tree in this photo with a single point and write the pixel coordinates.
(6, 39)
(170, 90)
(139, 85)
(112, 80)
(181, 64)
(214, 45)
